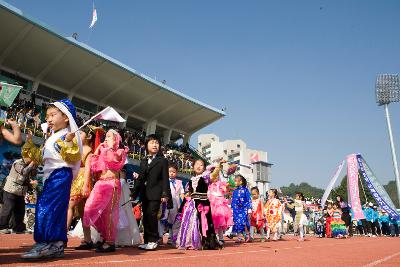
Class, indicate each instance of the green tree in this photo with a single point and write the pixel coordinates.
(308, 190)
(391, 189)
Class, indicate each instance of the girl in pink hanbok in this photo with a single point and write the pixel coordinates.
(102, 206)
(220, 210)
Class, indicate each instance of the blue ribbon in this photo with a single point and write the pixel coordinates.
(376, 189)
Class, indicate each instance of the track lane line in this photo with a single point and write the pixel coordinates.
(377, 262)
(186, 256)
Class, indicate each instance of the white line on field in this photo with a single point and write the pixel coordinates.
(374, 263)
(185, 256)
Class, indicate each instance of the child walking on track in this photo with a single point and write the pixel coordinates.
(257, 221)
(61, 157)
(153, 186)
(273, 212)
(241, 206)
(102, 206)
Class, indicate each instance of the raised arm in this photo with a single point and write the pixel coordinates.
(13, 136)
(29, 150)
(68, 148)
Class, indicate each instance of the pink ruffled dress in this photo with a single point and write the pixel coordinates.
(102, 206)
(220, 210)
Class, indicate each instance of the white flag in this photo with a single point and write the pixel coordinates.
(109, 114)
(94, 18)
(44, 127)
(332, 183)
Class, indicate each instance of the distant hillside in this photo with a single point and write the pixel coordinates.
(308, 190)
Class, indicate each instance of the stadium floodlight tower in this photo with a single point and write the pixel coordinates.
(387, 91)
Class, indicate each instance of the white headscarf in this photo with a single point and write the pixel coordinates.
(72, 128)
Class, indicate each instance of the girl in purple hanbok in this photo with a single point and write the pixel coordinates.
(197, 228)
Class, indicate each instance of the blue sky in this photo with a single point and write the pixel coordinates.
(297, 77)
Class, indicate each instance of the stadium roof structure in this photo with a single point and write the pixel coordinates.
(32, 50)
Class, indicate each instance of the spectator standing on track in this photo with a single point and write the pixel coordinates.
(384, 221)
(360, 228)
(394, 227)
(369, 217)
(375, 223)
(16, 186)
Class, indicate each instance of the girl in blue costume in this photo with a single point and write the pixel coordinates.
(242, 208)
(61, 158)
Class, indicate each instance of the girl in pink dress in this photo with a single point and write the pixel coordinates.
(220, 210)
(102, 206)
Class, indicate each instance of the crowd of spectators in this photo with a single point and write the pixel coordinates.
(30, 117)
(181, 155)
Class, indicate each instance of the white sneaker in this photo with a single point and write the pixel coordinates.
(40, 251)
(143, 246)
(151, 246)
(373, 235)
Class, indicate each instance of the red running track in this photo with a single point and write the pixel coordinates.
(356, 251)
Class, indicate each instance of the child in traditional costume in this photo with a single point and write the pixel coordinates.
(167, 222)
(81, 187)
(102, 206)
(128, 231)
(328, 216)
(197, 227)
(300, 220)
(273, 213)
(220, 210)
(242, 209)
(61, 157)
(257, 220)
(338, 226)
(319, 222)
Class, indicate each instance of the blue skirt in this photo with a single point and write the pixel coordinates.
(240, 220)
(52, 207)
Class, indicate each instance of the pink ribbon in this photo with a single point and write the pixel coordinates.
(204, 225)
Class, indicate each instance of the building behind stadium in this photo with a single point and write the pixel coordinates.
(233, 151)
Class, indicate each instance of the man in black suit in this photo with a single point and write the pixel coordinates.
(152, 184)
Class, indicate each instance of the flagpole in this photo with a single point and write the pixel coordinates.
(90, 35)
(88, 121)
(91, 28)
